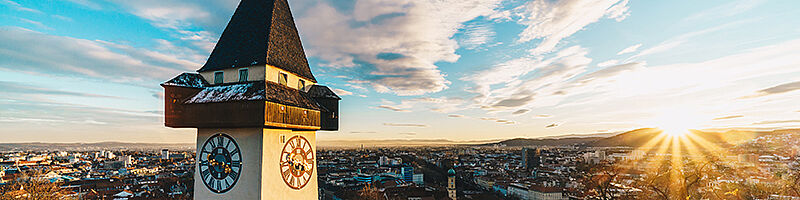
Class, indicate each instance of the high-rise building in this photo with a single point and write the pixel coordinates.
(407, 172)
(419, 179)
(531, 158)
(383, 161)
(451, 184)
(256, 107)
(165, 154)
(127, 160)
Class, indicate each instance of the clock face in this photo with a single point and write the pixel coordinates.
(297, 162)
(220, 163)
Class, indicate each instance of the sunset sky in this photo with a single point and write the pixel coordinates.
(89, 70)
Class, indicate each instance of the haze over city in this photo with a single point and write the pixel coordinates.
(89, 71)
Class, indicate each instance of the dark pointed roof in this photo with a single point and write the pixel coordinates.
(319, 91)
(261, 32)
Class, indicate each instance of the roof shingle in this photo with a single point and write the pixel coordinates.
(261, 32)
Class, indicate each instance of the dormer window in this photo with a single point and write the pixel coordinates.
(243, 75)
(283, 79)
(219, 78)
(301, 84)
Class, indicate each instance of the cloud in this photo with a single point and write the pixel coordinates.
(87, 3)
(360, 132)
(610, 72)
(726, 10)
(520, 111)
(17, 6)
(729, 117)
(30, 51)
(405, 125)
(684, 38)
(392, 108)
(455, 116)
(488, 118)
(20, 88)
(518, 82)
(419, 32)
(408, 133)
(608, 63)
(779, 89)
(630, 49)
(63, 18)
(35, 23)
(776, 122)
(553, 21)
(553, 125)
(436, 104)
(543, 116)
(476, 34)
(505, 121)
(342, 92)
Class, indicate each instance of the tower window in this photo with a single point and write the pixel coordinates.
(301, 84)
(218, 78)
(283, 79)
(243, 75)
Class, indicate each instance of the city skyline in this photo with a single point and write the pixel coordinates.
(88, 71)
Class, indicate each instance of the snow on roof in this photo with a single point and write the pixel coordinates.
(193, 80)
(226, 93)
(254, 91)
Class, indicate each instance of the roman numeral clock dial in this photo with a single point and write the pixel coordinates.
(297, 162)
(220, 163)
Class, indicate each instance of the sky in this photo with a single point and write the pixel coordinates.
(463, 70)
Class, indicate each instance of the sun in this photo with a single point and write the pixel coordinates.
(677, 122)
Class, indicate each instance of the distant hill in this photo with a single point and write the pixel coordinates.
(521, 142)
(641, 137)
(36, 146)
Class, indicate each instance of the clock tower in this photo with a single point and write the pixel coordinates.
(256, 107)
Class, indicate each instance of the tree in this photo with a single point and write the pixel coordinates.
(370, 193)
(28, 186)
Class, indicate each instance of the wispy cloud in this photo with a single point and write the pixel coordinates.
(729, 117)
(35, 23)
(726, 10)
(476, 34)
(520, 111)
(17, 6)
(553, 125)
(779, 89)
(455, 116)
(362, 132)
(776, 122)
(341, 92)
(24, 50)
(630, 49)
(393, 108)
(21, 88)
(405, 125)
(552, 21)
(408, 133)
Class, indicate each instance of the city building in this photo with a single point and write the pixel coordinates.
(531, 158)
(419, 179)
(407, 173)
(165, 154)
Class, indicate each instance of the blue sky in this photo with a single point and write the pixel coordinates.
(87, 71)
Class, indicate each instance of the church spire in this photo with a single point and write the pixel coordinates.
(260, 32)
